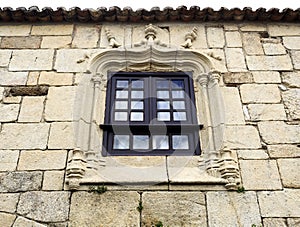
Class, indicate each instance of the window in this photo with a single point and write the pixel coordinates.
(150, 114)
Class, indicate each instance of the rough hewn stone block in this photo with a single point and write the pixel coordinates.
(272, 222)
(45, 206)
(283, 30)
(215, 37)
(184, 209)
(260, 93)
(9, 202)
(265, 112)
(291, 79)
(287, 203)
(241, 137)
(254, 27)
(60, 104)
(289, 171)
(293, 222)
(9, 112)
(31, 60)
(21, 42)
(8, 160)
(53, 180)
(56, 42)
(276, 132)
(61, 136)
(252, 154)
(284, 151)
(5, 57)
(42, 160)
(260, 175)
(57, 79)
(32, 109)
(86, 36)
(20, 136)
(235, 59)
(291, 42)
(58, 29)
(274, 49)
(33, 78)
(233, 39)
(7, 219)
(252, 44)
(94, 208)
(15, 30)
(264, 63)
(270, 77)
(22, 222)
(13, 78)
(291, 100)
(238, 78)
(12, 99)
(21, 181)
(232, 209)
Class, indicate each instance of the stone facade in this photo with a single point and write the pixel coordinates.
(260, 86)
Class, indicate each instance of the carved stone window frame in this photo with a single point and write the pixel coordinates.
(215, 167)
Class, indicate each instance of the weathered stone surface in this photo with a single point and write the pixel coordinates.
(233, 107)
(264, 63)
(8, 160)
(260, 93)
(60, 104)
(32, 109)
(20, 136)
(235, 59)
(289, 171)
(1, 93)
(184, 209)
(231, 27)
(296, 59)
(12, 99)
(45, 206)
(9, 202)
(4, 57)
(238, 78)
(274, 49)
(20, 181)
(57, 79)
(56, 42)
(30, 42)
(264, 112)
(293, 222)
(291, 79)
(291, 42)
(31, 60)
(215, 37)
(9, 112)
(61, 136)
(252, 154)
(252, 44)
(286, 201)
(254, 27)
(271, 222)
(92, 209)
(22, 222)
(284, 151)
(33, 78)
(86, 36)
(77, 60)
(58, 29)
(7, 219)
(276, 132)
(291, 100)
(266, 77)
(260, 175)
(220, 65)
(233, 39)
(232, 209)
(13, 78)
(53, 180)
(283, 30)
(42, 160)
(15, 30)
(241, 137)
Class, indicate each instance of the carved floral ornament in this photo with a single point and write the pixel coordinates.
(215, 166)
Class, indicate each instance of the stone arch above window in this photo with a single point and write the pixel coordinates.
(215, 167)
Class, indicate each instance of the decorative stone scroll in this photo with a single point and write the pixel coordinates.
(87, 164)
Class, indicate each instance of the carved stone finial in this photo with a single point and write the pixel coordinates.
(203, 79)
(112, 39)
(189, 38)
(150, 37)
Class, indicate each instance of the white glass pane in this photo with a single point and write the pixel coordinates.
(136, 116)
(140, 142)
(177, 84)
(137, 94)
(122, 94)
(179, 105)
(137, 105)
(162, 83)
(163, 105)
(180, 142)
(178, 94)
(179, 116)
(137, 84)
(163, 116)
(122, 83)
(120, 116)
(121, 105)
(160, 142)
(121, 142)
(163, 94)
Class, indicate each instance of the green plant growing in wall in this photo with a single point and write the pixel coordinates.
(100, 189)
(241, 189)
(140, 206)
(159, 224)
